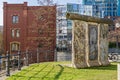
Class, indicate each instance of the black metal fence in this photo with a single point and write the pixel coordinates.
(7, 64)
(11, 62)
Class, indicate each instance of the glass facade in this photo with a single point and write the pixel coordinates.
(102, 8)
(73, 8)
(118, 7)
(69, 24)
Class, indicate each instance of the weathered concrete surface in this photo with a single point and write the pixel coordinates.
(75, 16)
(90, 45)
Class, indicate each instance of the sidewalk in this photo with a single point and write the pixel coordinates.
(3, 73)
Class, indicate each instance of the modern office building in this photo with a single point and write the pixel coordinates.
(118, 7)
(61, 29)
(102, 8)
(86, 10)
(64, 26)
(72, 7)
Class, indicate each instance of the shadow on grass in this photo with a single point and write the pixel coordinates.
(38, 72)
(45, 76)
(109, 67)
(29, 69)
(48, 73)
(59, 73)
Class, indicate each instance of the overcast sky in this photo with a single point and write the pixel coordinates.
(31, 2)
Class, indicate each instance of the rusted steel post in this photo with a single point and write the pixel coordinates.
(8, 64)
(38, 55)
(27, 58)
(19, 62)
(55, 55)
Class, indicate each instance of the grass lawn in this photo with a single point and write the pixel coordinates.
(54, 71)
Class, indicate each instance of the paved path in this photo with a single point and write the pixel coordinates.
(64, 56)
(118, 71)
(3, 73)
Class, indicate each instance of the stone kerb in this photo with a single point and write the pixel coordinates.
(118, 71)
(89, 40)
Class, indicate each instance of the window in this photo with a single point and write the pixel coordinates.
(15, 19)
(60, 37)
(69, 23)
(60, 31)
(65, 36)
(15, 46)
(13, 33)
(17, 33)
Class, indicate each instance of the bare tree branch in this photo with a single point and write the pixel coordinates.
(45, 2)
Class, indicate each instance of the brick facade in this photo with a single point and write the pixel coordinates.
(34, 27)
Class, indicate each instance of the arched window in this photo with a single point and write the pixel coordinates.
(13, 33)
(17, 33)
(15, 46)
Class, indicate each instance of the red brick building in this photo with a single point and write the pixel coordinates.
(29, 28)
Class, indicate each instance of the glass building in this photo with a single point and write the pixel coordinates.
(64, 26)
(118, 7)
(102, 8)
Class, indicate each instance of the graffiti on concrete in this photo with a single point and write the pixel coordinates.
(103, 42)
(93, 48)
(79, 42)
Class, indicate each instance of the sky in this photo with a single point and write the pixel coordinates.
(30, 3)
